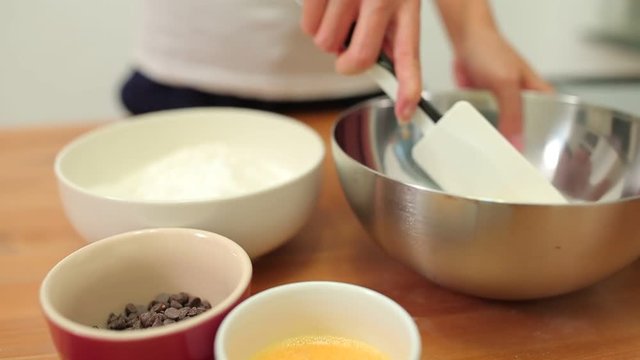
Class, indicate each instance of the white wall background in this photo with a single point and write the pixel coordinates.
(63, 60)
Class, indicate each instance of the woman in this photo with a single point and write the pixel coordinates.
(254, 53)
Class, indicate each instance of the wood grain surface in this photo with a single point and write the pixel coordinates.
(601, 322)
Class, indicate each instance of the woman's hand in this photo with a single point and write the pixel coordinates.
(389, 25)
(485, 60)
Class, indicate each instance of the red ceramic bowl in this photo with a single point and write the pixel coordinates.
(100, 278)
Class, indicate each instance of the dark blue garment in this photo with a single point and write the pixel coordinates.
(141, 94)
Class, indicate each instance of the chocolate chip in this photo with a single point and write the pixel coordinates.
(160, 316)
(192, 311)
(172, 313)
(132, 316)
(181, 297)
(146, 319)
(130, 320)
(163, 298)
(158, 307)
(183, 312)
(193, 301)
(129, 309)
(112, 317)
(164, 309)
(119, 323)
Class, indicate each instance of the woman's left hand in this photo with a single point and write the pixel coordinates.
(484, 59)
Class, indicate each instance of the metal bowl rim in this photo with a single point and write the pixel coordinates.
(384, 100)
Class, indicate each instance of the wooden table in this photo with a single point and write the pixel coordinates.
(601, 322)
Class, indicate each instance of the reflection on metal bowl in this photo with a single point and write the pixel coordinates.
(497, 249)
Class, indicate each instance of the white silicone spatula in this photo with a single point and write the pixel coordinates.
(465, 155)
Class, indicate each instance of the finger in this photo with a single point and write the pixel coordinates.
(510, 105)
(368, 36)
(338, 17)
(532, 81)
(406, 57)
(561, 177)
(460, 75)
(312, 13)
(599, 190)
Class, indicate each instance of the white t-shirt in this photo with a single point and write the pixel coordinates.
(247, 48)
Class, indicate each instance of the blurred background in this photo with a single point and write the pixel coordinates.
(63, 60)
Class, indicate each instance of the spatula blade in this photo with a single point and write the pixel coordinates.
(467, 156)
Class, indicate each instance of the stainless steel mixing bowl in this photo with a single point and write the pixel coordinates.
(490, 248)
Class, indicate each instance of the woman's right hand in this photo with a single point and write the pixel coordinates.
(392, 26)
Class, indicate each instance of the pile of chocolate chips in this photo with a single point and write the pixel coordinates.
(165, 309)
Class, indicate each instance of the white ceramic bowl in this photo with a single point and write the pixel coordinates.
(259, 220)
(320, 308)
(102, 277)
